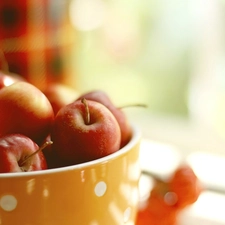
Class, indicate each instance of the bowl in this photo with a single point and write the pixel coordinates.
(99, 192)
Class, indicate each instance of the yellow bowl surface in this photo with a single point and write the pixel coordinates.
(100, 192)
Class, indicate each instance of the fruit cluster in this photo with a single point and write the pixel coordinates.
(168, 198)
(56, 127)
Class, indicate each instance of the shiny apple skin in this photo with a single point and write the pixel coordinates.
(103, 98)
(76, 142)
(14, 148)
(26, 110)
(8, 79)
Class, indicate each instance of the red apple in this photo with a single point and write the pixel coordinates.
(60, 95)
(26, 110)
(103, 98)
(19, 153)
(84, 131)
(7, 79)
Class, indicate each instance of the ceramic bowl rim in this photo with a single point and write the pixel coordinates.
(135, 138)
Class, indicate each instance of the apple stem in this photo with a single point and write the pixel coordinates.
(133, 105)
(5, 66)
(87, 119)
(47, 143)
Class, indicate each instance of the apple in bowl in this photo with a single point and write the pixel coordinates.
(101, 97)
(26, 110)
(84, 131)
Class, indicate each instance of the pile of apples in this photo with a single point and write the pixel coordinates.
(56, 127)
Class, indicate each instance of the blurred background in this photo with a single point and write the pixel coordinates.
(167, 54)
(138, 51)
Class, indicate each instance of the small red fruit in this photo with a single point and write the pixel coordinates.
(103, 98)
(8, 79)
(84, 131)
(19, 153)
(186, 185)
(25, 110)
(169, 197)
(157, 210)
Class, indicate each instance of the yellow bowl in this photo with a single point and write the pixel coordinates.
(99, 192)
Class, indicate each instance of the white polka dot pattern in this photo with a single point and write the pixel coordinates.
(126, 215)
(8, 202)
(100, 188)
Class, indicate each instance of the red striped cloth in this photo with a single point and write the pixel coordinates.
(36, 38)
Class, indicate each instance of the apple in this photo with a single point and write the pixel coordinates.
(60, 95)
(103, 98)
(84, 131)
(26, 110)
(18, 153)
(7, 79)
